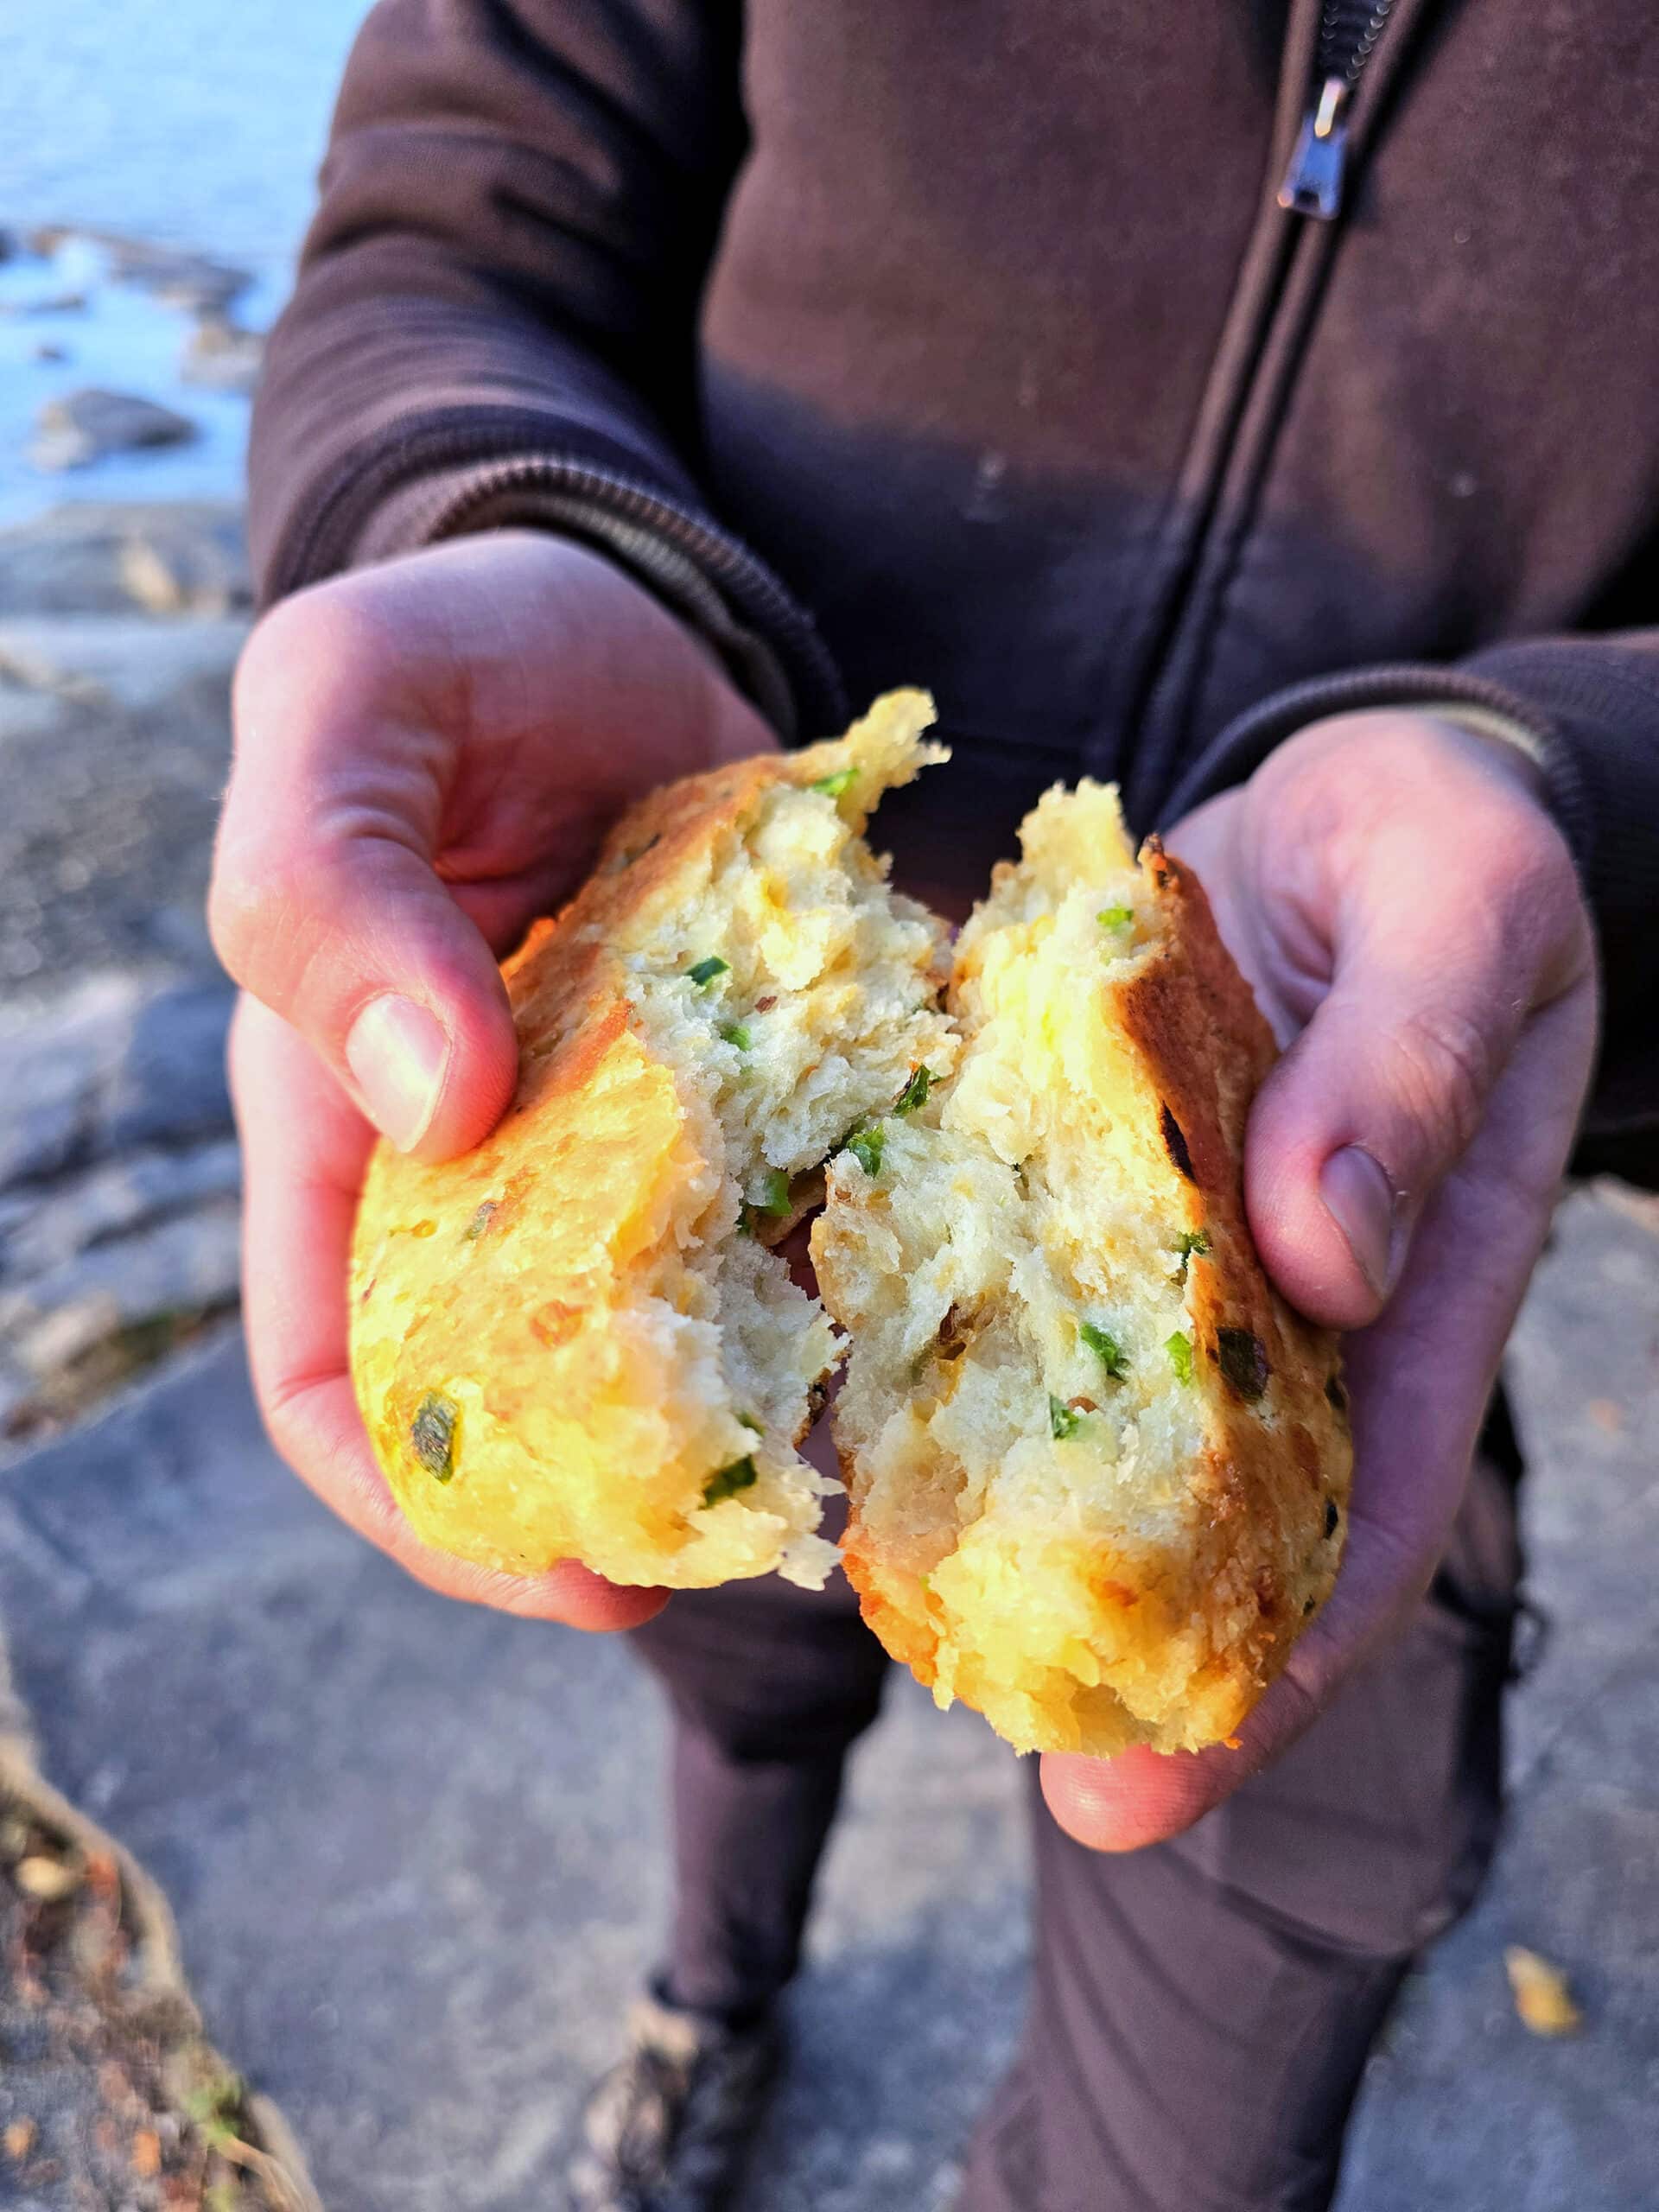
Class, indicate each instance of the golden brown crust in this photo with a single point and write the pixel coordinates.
(1207, 1049)
(508, 1283)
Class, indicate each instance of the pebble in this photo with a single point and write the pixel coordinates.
(83, 426)
(222, 356)
(193, 281)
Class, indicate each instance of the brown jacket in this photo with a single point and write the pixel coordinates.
(965, 342)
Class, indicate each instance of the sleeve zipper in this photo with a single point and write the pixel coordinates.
(1314, 181)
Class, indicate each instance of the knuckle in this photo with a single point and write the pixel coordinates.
(280, 641)
(1441, 1065)
(252, 892)
(310, 655)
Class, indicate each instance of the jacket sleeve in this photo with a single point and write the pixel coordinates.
(1590, 706)
(495, 316)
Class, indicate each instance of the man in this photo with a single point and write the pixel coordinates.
(1250, 403)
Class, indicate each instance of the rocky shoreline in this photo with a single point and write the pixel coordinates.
(51, 279)
(120, 628)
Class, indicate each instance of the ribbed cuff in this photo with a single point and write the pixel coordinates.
(458, 472)
(1457, 693)
(507, 495)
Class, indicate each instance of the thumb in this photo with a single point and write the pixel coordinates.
(325, 906)
(359, 945)
(1381, 1095)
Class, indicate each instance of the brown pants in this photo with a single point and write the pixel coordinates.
(1200, 2011)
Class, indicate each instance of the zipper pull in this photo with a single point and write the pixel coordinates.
(1312, 183)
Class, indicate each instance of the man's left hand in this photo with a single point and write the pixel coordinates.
(1409, 916)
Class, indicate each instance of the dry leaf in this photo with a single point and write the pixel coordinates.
(1542, 1996)
(146, 2152)
(45, 1879)
(19, 2138)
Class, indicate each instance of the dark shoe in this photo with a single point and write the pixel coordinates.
(669, 2128)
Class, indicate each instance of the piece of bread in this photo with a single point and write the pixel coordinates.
(575, 1341)
(1099, 1470)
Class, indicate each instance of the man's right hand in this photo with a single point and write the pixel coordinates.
(426, 755)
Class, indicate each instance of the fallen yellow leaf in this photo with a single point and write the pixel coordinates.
(1542, 1996)
(46, 1880)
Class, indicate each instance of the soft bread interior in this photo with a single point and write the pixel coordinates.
(1021, 1417)
(576, 1341)
(791, 995)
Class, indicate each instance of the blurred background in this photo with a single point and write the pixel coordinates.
(413, 1851)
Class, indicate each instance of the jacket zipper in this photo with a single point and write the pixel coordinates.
(1348, 31)
(1342, 46)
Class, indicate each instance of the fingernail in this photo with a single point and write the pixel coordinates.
(397, 1052)
(1360, 1200)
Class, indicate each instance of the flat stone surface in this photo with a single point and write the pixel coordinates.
(187, 556)
(58, 1062)
(114, 741)
(416, 1856)
(118, 1064)
(114, 746)
(1464, 2109)
(39, 1232)
(190, 1263)
(127, 662)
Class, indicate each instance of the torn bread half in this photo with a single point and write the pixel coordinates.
(1098, 1470)
(576, 1342)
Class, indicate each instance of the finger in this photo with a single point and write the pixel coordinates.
(326, 904)
(1435, 972)
(1419, 1382)
(305, 1148)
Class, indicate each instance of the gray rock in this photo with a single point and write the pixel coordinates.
(199, 570)
(119, 1065)
(83, 426)
(222, 356)
(46, 1230)
(113, 773)
(59, 1064)
(188, 1263)
(192, 281)
(129, 662)
(168, 1085)
(187, 556)
(46, 303)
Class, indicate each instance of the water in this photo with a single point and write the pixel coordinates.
(193, 123)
